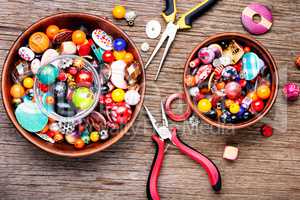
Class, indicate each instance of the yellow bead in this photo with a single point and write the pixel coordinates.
(28, 82)
(118, 95)
(234, 108)
(119, 55)
(204, 105)
(228, 103)
(94, 136)
(263, 92)
(17, 91)
(119, 12)
(252, 95)
(128, 58)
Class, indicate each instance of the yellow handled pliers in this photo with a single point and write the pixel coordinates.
(184, 22)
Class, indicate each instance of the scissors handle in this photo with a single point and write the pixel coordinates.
(186, 20)
(205, 162)
(152, 191)
(169, 14)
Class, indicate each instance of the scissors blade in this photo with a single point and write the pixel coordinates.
(163, 114)
(151, 118)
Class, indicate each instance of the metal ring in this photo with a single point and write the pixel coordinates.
(171, 114)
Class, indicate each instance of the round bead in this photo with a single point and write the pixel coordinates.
(50, 100)
(246, 115)
(291, 91)
(257, 105)
(84, 78)
(247, 49)
(58, 137)
(220, 85)
(17, 91)
(297, 62)
(85, 137)
(79, 143)
(252, 95)
(39, 42)
(51, 31)
(71, 138)
(145, 47)
(128, 58)
(132, 97)
(78, 37)
(119, 55)
(48, 74)
(104, 135)
(62, 76)
(153, 29)
(233, 90)
(82, 98)
(119, 12)
(119, 44)
(204, 105)
(228, 103)
(263, 92)
(266, 130)
(28, 82)
(94, 136)
(243, 83)
(234, 108)
(212, 114)
(190, 80)
(108, 57)
(118, 95)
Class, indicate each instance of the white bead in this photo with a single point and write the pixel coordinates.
(132, 97)
(145, 47)
(153, 29)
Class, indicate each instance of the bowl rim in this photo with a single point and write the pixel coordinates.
(257, 44)
(42, 145)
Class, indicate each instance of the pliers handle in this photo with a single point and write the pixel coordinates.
(206, 163)
(186, 19)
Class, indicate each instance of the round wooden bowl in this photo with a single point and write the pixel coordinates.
(72, 21)
(263, 54)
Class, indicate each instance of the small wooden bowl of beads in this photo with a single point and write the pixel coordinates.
(73, 84)
(230, 80)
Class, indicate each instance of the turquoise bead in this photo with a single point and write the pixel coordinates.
(85, 136)
(252, 64)
(47, 74)
(30, 117)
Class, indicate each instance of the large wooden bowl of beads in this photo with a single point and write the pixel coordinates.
(230, 80)
(86, 23)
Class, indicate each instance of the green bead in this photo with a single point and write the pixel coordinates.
(85, 136)
(83, 98)
(47, 74)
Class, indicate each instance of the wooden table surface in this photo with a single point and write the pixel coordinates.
(267, 168)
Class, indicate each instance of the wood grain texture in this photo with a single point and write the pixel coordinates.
(266, 168)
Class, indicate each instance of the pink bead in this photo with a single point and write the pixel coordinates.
(291, 91)
(233, 90)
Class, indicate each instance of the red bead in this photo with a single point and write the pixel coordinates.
(43, 88)
(62, 76)
(84, 78)
(243, 83)
(108, 57)
(73, 71)
(84, 50)
(238, 66)
(51, 133)
(258, 105)
(266, 130)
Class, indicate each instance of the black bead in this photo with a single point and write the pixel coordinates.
(212, 114)
(246, 115)
(65, 109)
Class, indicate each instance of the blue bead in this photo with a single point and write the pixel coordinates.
(47, 74)
(119, 44)
(241, 112)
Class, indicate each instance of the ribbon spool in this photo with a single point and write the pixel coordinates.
(177, 117)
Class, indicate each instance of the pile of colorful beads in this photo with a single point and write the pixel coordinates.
(75, 86)
(228, 82)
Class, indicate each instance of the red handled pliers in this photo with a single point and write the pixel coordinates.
(163, 134)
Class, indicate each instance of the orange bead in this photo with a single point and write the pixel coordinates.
(39, 42)
(204, 90)
(220, 85)
(252, 95)
(263, 92)
(190, 80)
(58, 137)
(50, 100)
(128, 58)
(17, 91)
(228, 103)
(247, 49)
(79, 143)
(45, 129)
(51, 31)
(78, 37)
(119, 55)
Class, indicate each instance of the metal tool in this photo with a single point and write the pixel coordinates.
(164, 133)
(184, 22)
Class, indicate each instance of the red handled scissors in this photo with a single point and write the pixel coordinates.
(163, 134)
